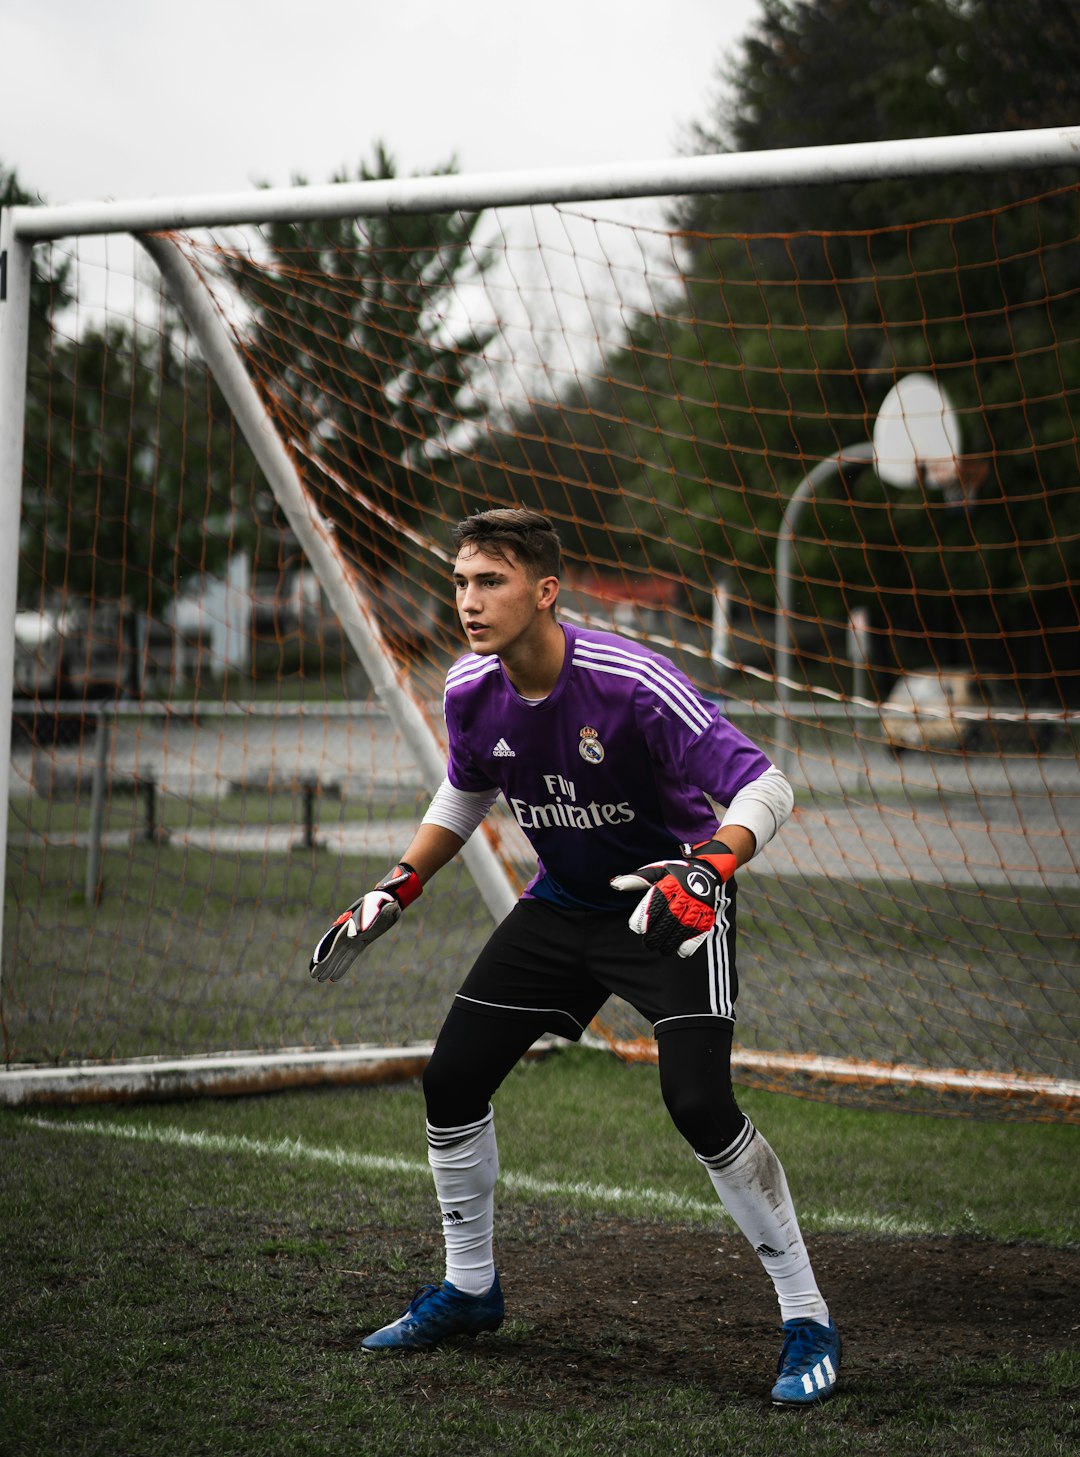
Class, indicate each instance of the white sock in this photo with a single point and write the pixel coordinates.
(753, 1189)
(465, 1163)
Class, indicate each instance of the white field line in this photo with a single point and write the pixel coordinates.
(642, 1198)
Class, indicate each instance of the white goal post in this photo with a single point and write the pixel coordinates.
(22, 227)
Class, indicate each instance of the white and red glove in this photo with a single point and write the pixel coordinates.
(681, 898)
(365, 921)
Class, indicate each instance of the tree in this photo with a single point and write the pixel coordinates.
(801, 306)
(816, 72)
(354, 341)
(48, 296)
(48, 280)
(135, 477)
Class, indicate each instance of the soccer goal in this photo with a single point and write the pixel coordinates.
(833, 474)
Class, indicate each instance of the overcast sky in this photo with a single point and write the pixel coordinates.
(140, 98)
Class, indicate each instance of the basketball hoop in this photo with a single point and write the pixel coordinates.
(917, 435)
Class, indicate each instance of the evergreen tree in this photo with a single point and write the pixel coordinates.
(130, 460)
(135, 477)
(801, 306)
(353, 342)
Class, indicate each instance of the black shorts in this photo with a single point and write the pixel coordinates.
(556, 968)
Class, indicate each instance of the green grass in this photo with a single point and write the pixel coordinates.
(950, 976)
(989, 1179)
(189, 949)
(192, 948)
(188, 1278)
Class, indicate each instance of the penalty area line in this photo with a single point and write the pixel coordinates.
(639, 1199)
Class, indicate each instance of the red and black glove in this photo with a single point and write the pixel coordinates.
(365, 921)
(681, 898)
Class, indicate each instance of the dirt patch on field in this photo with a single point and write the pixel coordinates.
(621, 1299)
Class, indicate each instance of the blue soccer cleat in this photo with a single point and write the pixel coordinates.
(436, 1313)
(809, 1363)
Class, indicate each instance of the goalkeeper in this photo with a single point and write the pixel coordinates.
(613, 765)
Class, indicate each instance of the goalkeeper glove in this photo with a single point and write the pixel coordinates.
(678, 909)
(365, 921)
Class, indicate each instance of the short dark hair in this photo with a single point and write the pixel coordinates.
(528, 535)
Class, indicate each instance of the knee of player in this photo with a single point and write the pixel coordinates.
(453, 1098)
(703, 1110)
(438, 1085)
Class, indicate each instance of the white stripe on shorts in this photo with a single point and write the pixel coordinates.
(720, 998)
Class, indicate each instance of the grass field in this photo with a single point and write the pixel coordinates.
(194, 948)
(195, 1278)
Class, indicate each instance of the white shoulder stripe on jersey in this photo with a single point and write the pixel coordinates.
(662, 684)
(695, 725)
(652, 673)
(655, 669)
(469, 670)
(472, 663)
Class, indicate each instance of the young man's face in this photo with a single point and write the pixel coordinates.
(499, 602)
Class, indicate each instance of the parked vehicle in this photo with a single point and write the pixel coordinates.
(38, 651)
(954, 710)
(76, 652)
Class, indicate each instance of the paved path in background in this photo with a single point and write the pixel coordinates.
(861, 815)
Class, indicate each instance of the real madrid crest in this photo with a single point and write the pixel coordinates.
(590, 748)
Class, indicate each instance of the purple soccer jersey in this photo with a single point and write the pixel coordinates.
(613, 769)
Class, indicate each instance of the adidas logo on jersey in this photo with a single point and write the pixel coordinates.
(502, 750)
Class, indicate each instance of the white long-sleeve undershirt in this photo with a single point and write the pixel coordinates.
(761, 806)
(459, 810)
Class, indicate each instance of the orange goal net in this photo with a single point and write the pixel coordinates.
(832, 475)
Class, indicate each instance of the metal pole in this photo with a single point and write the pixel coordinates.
(843, 463)
(359, 623)
(309, 788)
(14, 349)
(858, 637)
(147, 786)
(668, 177)
(96, 841)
